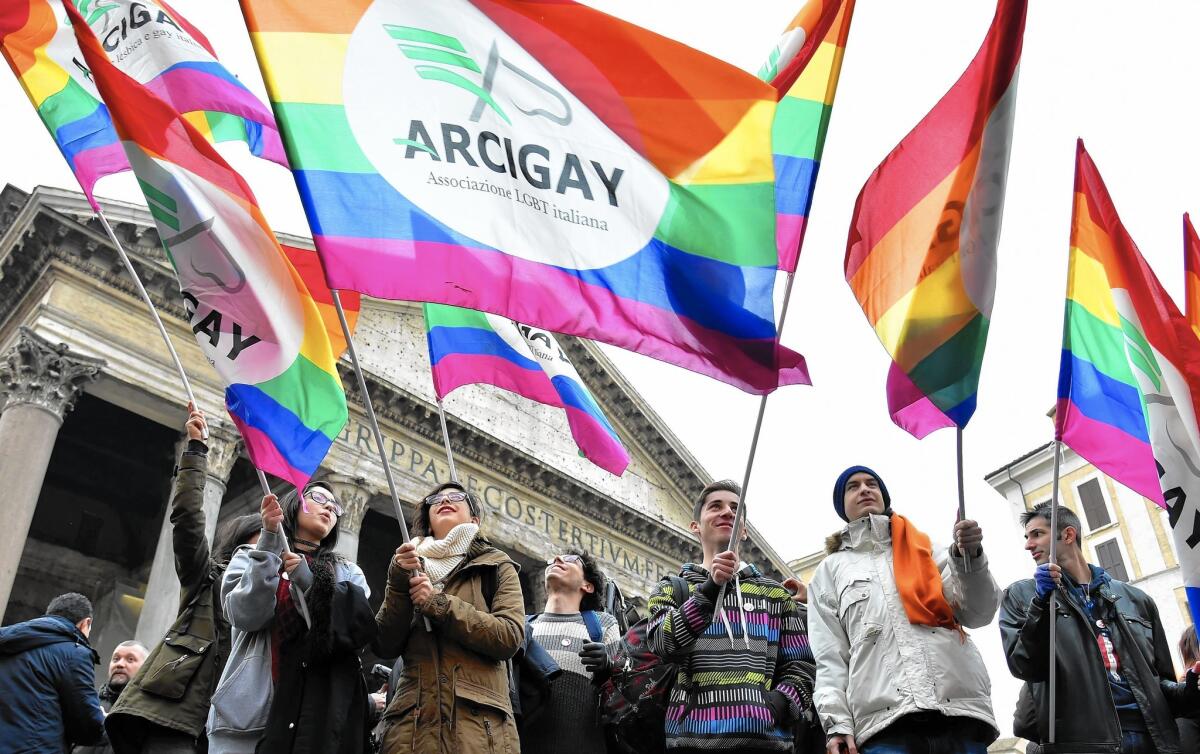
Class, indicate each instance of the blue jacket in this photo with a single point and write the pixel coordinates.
(47, 684)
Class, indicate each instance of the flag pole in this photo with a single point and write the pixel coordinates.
(1054, 593)
(962, 497)
(162, 330)
(739, 519)
(362, 386)
(301, 603)
(446, 441)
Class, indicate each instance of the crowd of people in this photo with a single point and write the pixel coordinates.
(872, 657)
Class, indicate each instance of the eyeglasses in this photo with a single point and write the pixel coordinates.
(325, 500)
(454, 496)
(566, 559)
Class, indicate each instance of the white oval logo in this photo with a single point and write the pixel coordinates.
(476, 133)
(242, 302)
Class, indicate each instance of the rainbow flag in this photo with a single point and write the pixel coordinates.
(1191, 273)
(179, 63)
(804, 67)
(921, 253)
(541, 161)
(468, 347)
(252, 315)
(1129, 382)
(307, 265)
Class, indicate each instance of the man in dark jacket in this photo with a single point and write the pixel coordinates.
(127, 658)
(1117, 691)
(47, 681)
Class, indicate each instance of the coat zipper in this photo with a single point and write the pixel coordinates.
(416, 724)
(487, 725)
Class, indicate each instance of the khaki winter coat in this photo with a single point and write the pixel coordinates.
(873, 666)
(453, 697)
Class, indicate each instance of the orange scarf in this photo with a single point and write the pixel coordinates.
(917, 578)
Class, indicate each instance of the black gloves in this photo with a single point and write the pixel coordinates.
(595, 658)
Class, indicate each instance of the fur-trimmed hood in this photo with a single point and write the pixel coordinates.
(875, 527)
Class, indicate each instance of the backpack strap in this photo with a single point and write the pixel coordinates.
(680, 591)
(592, 621)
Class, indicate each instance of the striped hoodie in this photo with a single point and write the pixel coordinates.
(719, 697)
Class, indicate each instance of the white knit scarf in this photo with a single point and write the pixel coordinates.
(442, 556)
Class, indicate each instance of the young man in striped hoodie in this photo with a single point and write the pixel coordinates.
(740, 694)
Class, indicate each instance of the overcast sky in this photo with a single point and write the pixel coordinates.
(1122, 80)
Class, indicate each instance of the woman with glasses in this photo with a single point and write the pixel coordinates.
(300, 616)
(453, 697)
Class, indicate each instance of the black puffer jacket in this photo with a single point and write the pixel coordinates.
(1087, 719)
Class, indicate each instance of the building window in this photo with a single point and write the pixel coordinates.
(1109, 555)
(1095, 510)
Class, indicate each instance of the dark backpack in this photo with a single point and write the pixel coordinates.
(633, 701)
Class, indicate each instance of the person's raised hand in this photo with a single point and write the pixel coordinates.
(843, 744)
(723, 566)
(406, 557)
(196, 426)
(420, 590)
(1046, 579)
(1191, 686)
(272, 514)
(798, 589)
(291, 561)
(968, 538)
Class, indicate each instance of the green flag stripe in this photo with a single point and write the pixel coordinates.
(736, 222)
(320, 138)
(441, 315)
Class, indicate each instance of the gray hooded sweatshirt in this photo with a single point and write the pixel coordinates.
(242, 701)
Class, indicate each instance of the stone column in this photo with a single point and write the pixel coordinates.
(161, 604)
(42, 381)
(353, 494)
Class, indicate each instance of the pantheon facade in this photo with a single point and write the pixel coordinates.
(93, 410)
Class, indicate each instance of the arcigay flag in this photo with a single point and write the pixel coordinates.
(468, 347)
(171, 56)
(249, 309)
(921, 254)
(1129, 382)
(804, 67)
(538, 160)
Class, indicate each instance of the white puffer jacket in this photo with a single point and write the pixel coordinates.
(873, 666)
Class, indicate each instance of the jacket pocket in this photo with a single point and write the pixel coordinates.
(178, 660)
(481, 725)
(242, 701)
(855, 611)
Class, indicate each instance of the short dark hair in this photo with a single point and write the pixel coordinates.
(721, 485)
(73, 606)
(1189, 650)
(1066, 518)
(421, 526)
(594, 576)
